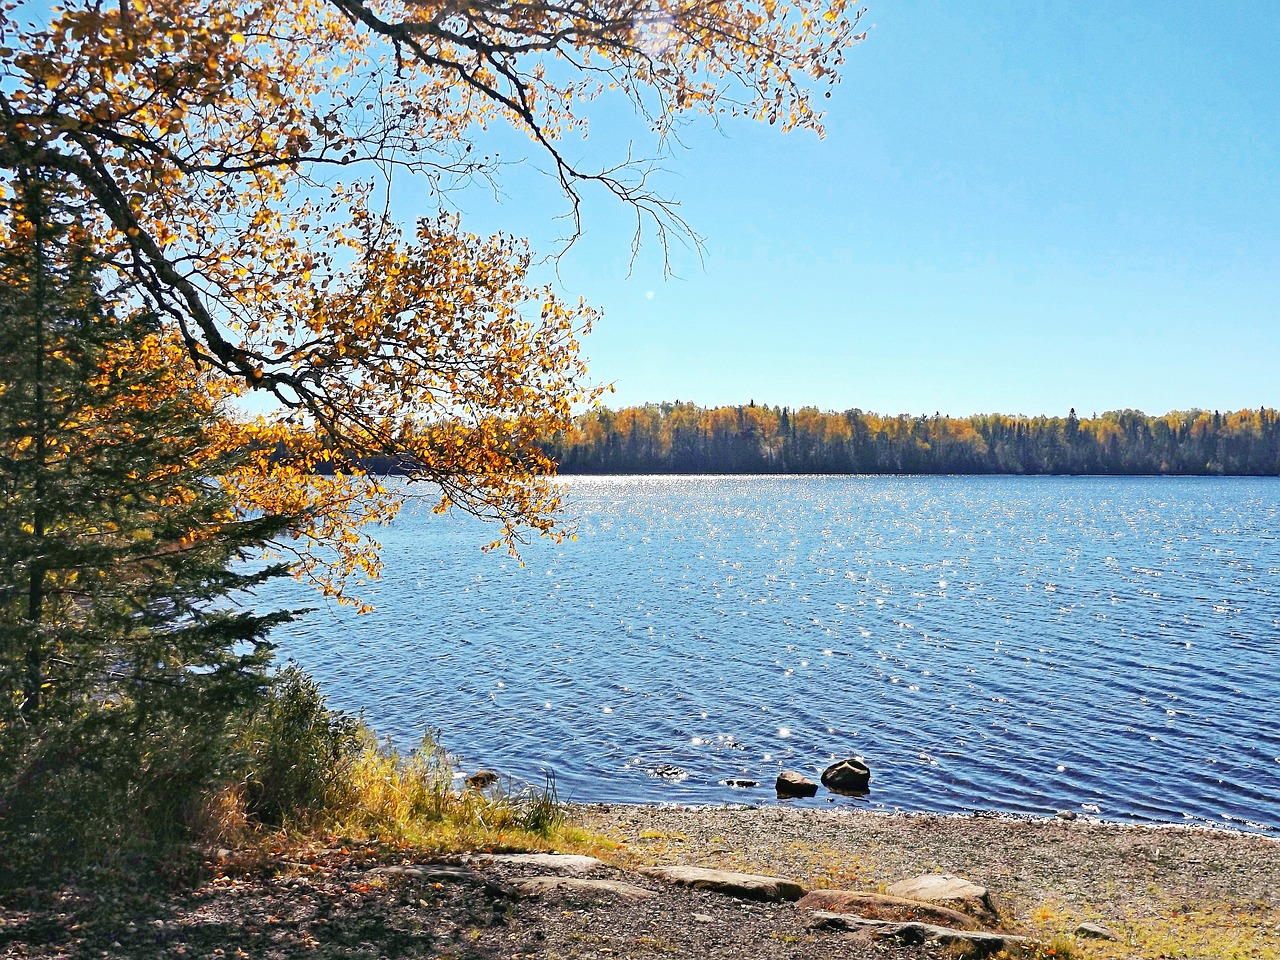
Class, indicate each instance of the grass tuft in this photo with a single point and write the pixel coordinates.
(310, 770)
(415, 798)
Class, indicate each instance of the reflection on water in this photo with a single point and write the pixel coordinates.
(1016, 644)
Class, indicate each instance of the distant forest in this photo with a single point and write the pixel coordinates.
(684, 438)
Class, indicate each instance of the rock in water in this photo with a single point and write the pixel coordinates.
(850, 777)
(481, 779)
(791, 784)
(668, 771)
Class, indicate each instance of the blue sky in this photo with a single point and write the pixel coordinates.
(1019, 207)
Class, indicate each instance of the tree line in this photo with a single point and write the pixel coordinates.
(686, 438)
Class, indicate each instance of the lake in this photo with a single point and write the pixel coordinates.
(1016, 644)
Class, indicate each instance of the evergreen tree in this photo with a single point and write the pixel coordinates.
(122, 660)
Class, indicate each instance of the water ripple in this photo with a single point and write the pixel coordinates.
(1016, 644)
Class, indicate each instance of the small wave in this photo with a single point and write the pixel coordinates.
(998, 644)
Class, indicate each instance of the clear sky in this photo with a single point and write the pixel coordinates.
(1019, 207)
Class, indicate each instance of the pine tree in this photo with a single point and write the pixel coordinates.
(122, 658)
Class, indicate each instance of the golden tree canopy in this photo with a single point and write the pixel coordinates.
(239, 156)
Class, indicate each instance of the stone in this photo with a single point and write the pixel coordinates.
(703, 918)
(481, 779)
(445, 873)
(850, 777)
(565, 864)
(668, 771)
(580, 887)
(949, 890)
(792, 784)
(911, 932)
(1066, 814)
(877, 906)
(1096, 931)
(740, 783)
(748, 886)
(434, 872)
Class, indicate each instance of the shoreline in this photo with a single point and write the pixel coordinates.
(1162, 890)
(1231, 828)
(880, 825)
(1155, 884)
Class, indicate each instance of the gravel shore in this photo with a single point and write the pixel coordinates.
(1025, 859)
(1167, 890)
(1164, 891)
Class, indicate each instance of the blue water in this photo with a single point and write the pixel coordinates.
(1026, 645)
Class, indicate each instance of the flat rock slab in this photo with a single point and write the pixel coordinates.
(877, 906)
(950, 890)
(445, 873)
(910, 932)
(434, 872)
(581, 887)
(565, 864)
(1095, 931)
(748, 886)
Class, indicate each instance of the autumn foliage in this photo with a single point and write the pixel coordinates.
(238, 164)
(199, 205)
(685, 438)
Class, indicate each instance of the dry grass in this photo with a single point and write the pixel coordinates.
(1204, 931)
(414, 800)
(311, 772)
(417, 798)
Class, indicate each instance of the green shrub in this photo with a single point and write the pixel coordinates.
(99, 792)
(299, 753)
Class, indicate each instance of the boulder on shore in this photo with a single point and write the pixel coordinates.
(912, 932)
(747, 886)
(564, 864)
(879, 906)
(1096, 931)
(850, 777)
(949, 890)
(581, 887)
(792, 784)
